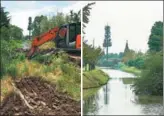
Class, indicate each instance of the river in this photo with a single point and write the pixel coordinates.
(117, 98)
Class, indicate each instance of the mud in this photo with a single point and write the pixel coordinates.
(42, 96)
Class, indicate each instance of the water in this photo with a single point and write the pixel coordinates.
(117, 98)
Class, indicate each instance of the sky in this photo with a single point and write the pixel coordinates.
(20, 11)
(129, 20)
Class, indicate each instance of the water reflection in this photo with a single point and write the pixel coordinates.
(106, 94)
(91, 104)
(117, 98)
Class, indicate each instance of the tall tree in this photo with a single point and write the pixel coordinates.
(73, 17)
(77, 16)
(29, 26)
(45, 24)
(107, 39)
(5, 19)
(156, 37)
(59, 19)
(36, 25)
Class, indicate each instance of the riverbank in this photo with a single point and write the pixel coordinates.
(132, 70)
(92, 80)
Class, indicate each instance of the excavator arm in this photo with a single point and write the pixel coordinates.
(39, 40)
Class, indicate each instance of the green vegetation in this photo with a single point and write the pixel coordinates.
(128, 69)
(113, 60)
(151, 80)
(146, 99)
(89, 92)
(156, 37)
(107, 40)
(91, 59)
(94, 78)
(128, 80)
(43, 23)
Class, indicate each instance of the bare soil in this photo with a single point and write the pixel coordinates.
(42, 96)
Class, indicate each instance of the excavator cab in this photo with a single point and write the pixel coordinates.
(69, 37)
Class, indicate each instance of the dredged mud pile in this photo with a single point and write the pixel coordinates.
(42, 96)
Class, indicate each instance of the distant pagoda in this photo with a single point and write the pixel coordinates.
(126, 47)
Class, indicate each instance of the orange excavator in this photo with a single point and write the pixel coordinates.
(66, 37)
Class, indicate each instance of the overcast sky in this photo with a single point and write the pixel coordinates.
(130, 21)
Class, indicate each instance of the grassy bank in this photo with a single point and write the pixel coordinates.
(94, 78)
(133, 70)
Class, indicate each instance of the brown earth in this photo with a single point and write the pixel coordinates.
(42, 96)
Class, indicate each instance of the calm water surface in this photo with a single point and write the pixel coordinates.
(117, 98)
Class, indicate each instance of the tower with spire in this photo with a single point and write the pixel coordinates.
(126, 47)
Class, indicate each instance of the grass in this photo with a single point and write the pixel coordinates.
(6, 86)
(89, 92)
(128, 80)
(133, 70)
(94, 78)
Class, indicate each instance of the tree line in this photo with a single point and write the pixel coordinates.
(42, 23)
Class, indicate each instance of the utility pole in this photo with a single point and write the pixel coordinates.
(93, 43)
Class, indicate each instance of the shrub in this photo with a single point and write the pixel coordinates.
(151, 80)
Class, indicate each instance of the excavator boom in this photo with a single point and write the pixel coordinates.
(39, 40)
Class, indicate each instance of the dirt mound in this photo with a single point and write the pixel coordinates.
(42, 96)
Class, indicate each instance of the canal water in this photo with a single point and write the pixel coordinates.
(117, 98)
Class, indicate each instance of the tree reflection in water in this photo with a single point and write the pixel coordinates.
(106, 94)
(90, 105)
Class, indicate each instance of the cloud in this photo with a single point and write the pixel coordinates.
(130, 21)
